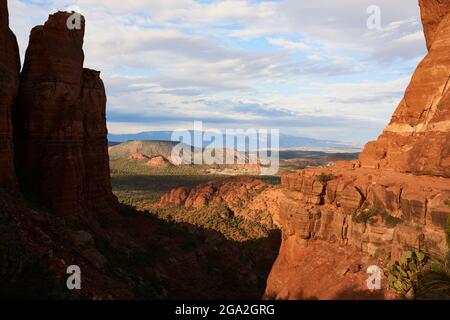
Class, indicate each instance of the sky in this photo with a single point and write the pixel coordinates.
(308, 68)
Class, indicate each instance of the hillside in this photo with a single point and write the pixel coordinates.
(286, 141)
(148, 149)
(142, 155)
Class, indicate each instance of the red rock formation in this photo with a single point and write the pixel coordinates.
(60, 123)
(312, 270)
(138, 157)
(408, 211)
(159, 162)
(378, 212)
(97, 183)
(395, 202)
(9, 83)
(417, 139)
(233, 192)
(246, 197)
(433, 11)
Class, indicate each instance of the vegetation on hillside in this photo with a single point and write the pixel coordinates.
(369, 216)
(427, 281)
(405, 275)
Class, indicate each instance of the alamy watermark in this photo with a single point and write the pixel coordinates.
(74, 21)
(259, 147)
(374, 19)
(374, 280)
(74, 280)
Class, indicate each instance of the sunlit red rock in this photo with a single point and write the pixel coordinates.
(241, 196)
(401, 183)
(433, 11)
(417, 139)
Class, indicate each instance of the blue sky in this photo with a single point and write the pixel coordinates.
(308, 68)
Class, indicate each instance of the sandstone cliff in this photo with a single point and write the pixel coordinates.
(417, 139)
(380, 213)
(9, 83)
(376, 211)
(395, 198)
(60, 123)
(433, 12)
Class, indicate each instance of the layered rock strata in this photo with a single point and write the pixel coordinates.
(60, 123)
(378, 212)
(417, 140)
(395, 198)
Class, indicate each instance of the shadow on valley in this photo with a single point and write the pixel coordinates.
(183, 261)
(129, 255)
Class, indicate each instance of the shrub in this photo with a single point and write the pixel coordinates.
(368, 217)
(325, 178)
(390, 221)
(404, 275)
(364, 217)
(435, 284)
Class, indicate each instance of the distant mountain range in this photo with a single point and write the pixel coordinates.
(286, 141)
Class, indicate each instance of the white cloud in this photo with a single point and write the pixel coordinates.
(166, 60)
(290, 45)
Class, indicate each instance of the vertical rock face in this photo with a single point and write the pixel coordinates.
(97, 183)
(433, 11)
(60, 122)
(397, 201)
(417, 140)
(9, 83)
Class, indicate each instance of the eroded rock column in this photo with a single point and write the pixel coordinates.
(60, 122)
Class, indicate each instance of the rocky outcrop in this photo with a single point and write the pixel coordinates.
(159, 162)
(60, 123)
(313, 270)
(245, 197)
(395, 198)
(379, 213)
(417, 140)
(9, 84)
(433, 12)
(97, 190)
